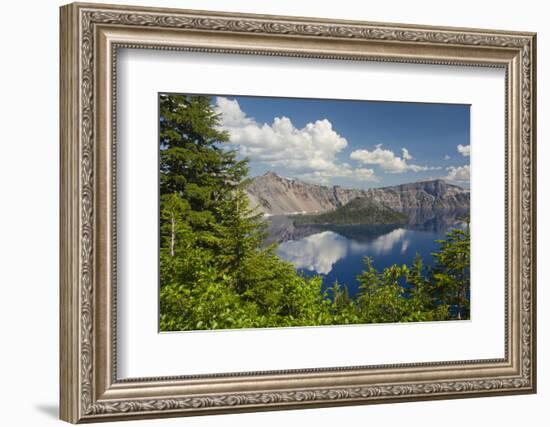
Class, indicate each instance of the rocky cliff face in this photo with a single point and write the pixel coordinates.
(425, 195)
(276, 195)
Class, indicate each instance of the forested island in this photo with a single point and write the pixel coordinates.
(360, 210)
(218, 272)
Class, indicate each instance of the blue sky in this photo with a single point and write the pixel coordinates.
(355, 144)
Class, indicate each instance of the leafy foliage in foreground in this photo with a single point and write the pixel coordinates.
(217, 273)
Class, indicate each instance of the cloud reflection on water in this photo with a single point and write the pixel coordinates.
(405, 245)
(385, 243)
(319, 252)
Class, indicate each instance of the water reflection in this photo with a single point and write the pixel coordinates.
(337, 252)
(384, 244)
(405, 246)
(281, 228)
(319, 252)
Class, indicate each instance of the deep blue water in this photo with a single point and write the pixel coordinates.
(337, 252)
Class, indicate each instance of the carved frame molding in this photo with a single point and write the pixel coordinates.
(90, 35)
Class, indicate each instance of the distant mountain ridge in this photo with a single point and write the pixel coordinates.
(276, 195)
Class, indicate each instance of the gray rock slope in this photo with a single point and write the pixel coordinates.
(276, 195)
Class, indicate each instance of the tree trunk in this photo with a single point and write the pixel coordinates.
(172, 235)
(458, 303)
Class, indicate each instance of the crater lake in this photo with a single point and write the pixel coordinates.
(336, 252)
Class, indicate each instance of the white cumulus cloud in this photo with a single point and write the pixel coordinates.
(447, 157)
(458, 173)
(339, 171)
(463, 149)
(309, 152)
(388, 161)
(406, 154)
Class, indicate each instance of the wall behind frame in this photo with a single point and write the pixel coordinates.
(29, 171)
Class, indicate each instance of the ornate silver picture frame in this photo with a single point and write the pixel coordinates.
(91, 390)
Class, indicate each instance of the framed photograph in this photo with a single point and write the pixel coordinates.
(266, 212)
